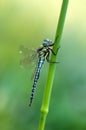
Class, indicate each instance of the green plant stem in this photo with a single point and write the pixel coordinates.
(51, 72)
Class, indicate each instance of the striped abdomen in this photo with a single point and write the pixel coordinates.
(40, 63)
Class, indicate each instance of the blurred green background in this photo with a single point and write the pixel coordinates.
(29, 22)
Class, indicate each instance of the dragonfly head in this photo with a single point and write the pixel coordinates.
(47, 42)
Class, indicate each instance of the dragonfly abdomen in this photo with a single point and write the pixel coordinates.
(40, 63)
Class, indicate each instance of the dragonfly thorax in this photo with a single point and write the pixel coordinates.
(41, 53)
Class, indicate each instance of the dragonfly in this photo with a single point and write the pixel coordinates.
(39, 56)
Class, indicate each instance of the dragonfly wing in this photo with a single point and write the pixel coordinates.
(34, 72)
(30, 56)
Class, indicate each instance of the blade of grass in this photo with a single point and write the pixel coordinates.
(51, 71)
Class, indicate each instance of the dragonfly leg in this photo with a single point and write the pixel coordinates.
(48, 60)
(54, 53)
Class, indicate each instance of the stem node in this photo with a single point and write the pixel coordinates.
(44, 110)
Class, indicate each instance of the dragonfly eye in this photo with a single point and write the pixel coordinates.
(47, 42)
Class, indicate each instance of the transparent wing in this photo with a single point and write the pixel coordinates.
(30, 56)
(34, 72)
